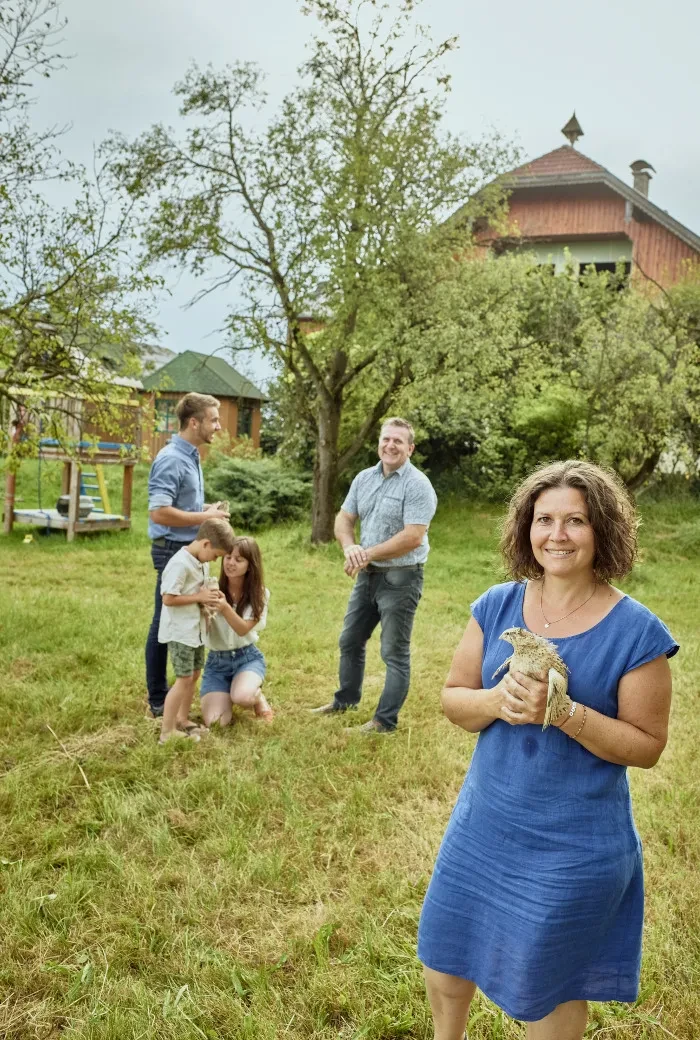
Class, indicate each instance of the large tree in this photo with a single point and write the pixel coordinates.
(71, 298)
(326, 224)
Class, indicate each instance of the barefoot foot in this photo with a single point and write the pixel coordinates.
(263, 710)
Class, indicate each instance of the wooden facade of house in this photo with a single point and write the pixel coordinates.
(240, 400)
(565, 204)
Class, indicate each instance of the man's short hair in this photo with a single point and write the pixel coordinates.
(218, 532)
(396, 420)
(194, 406)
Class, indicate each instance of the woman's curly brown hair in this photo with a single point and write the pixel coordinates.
(611, 512)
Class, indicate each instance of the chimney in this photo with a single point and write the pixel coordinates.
(641, 176)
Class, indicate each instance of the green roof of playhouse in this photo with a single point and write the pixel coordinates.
(191, 372)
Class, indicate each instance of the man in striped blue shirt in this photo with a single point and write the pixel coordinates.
(394, 503)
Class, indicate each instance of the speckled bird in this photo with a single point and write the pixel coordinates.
(533, 655)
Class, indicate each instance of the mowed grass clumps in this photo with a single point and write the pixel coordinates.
(267, 882)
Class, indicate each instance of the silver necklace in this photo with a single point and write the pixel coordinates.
(548, 623)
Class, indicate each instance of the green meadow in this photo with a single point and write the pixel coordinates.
(267, 883)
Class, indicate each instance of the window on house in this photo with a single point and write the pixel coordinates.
(245, 419)
(166, 420)
(610, 267)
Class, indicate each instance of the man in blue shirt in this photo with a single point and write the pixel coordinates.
(395, 503)
(175, 511)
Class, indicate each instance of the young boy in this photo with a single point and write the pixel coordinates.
(184, 590)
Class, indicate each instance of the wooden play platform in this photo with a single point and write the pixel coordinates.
(86, 454)
(55, 521)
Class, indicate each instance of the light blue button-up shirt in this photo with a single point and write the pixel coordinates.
(176, 479)
(385, 505)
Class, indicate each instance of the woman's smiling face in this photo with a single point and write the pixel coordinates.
(235, 565)
(561, 535)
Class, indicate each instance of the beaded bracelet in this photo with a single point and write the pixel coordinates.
(583, 722)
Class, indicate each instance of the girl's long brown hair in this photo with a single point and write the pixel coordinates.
(253, 594)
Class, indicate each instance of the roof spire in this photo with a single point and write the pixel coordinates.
(572, 131)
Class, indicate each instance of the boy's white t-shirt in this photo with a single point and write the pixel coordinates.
(184, 575)
(222, 637)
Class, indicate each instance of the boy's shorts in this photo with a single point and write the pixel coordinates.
(224, 665)
(185, 659)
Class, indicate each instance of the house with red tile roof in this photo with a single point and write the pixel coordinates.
(565, 203)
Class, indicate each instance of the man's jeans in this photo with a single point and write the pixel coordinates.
(157, 653)
(390, 596)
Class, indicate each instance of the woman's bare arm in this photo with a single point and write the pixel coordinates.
(464, 701)
(236, 622)
(638, 735)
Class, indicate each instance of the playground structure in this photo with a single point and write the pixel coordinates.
(84, 449)
(85, 455)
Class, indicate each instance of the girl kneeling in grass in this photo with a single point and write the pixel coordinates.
(235, 667)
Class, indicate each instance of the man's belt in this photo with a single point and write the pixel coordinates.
(164, 542)
(374, 569)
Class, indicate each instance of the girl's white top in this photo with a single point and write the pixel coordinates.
(222, 637)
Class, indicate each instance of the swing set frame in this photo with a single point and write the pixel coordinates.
(87, 455)
(75, 456)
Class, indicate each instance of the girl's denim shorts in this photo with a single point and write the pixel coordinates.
(224, 665)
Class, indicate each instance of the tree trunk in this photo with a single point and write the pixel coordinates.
(325, 473)
(644, 472)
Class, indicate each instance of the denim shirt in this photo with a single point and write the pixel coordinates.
(385, 505)
(176, 479)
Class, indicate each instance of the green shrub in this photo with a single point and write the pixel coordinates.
(226, 446)
(259, 491)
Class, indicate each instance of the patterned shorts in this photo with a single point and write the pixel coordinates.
(185, 659)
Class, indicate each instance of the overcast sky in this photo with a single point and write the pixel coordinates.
(628, 67)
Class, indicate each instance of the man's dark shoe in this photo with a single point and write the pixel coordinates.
(333, 709)
(156, 710)
(373, 726)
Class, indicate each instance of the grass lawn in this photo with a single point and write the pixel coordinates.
(267, 882)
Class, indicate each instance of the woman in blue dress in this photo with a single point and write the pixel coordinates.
(537, 892)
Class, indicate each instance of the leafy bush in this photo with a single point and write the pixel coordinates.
(226, 446)
(259, 491)
(541, 366)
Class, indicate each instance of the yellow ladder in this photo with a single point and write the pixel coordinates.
(100, 486)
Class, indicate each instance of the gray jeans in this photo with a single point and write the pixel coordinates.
(390, 596)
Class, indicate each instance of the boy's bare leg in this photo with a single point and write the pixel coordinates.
(185, 706)
(449, 998)
(181, 690)
(566, 1022)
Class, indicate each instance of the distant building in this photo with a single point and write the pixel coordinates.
(154, 357)
(565, 202)
(204, 374)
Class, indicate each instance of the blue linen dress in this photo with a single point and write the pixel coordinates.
(537, 893)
